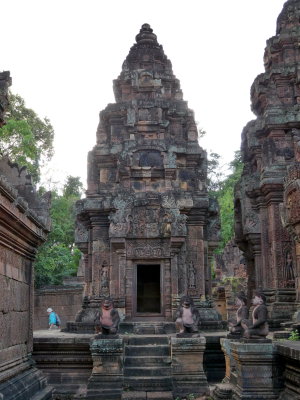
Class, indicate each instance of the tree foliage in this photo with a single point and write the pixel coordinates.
(26, 138)
(58, 256)
(215, 174)
(223, 190)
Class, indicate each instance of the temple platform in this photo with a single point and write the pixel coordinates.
(74, 364)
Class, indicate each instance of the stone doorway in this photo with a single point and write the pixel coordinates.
(148, 289)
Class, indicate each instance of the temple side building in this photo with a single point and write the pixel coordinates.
(270, 145)
(24, 225)
(147, 227)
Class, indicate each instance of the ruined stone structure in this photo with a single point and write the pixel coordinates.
(24, 226)
(147, 226)
(269, 147)
(230, 278)
(230, 263)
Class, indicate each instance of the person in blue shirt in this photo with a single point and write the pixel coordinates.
(53, 320)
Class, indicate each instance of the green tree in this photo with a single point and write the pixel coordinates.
(215, 174)
(58, 256)
(225, 197)
(26, 138)
(73, 187)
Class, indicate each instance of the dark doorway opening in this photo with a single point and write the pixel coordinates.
(148, 288)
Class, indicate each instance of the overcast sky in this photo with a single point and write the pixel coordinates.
(64, 54)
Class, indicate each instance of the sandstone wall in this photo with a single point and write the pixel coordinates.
(66, 301)
(24, 224)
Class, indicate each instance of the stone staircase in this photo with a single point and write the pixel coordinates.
(147, 328)
(147, 368)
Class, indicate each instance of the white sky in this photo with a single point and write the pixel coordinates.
(64, 54)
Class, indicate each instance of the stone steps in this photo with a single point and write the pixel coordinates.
(139, 361)
(148, 371)
(147, 350)
(148, 340)
(147, 328)
(147, 396)
(148, 383)
(147, 364)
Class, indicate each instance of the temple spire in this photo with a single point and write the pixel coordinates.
(146, 35)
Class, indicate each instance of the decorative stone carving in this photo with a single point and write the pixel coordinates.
(191, 276)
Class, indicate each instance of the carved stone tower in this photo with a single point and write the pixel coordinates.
(146, 227)
(270, 144)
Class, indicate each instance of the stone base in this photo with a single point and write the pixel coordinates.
(233, 336)
(187, 366)
(290, 355)
(188, 335)
(258, 372)
(28, 385)
(106, 381)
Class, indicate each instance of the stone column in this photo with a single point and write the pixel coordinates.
(100, 252)
(257, 370)
(106, 381)
(187, 366)
(167, 289)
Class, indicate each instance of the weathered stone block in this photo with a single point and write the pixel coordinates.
(187, 366)
(257, 368)
(106, 381)
(289, 353)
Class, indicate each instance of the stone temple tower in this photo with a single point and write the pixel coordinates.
(146, 227)
(270, 149)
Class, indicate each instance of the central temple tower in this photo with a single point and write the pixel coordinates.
(146, 227)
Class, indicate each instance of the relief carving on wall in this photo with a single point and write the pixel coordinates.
(147, 249)
(191, 275)
(293, 207)
(252, 223)
(81, 232)
(288, 271)
(104, 278)
(147, 222)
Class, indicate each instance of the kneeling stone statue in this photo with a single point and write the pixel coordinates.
(187, 316)
(107, 318)
(235, 327)
(257, 328)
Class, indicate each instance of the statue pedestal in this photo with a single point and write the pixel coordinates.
(106, 380)
(187, 366)
(230, 371)
(257, 372)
